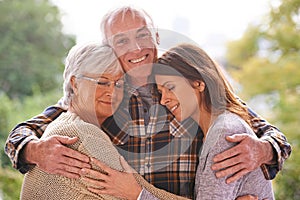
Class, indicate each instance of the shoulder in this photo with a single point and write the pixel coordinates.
(70, 124)
(226, 124)
(229, 123)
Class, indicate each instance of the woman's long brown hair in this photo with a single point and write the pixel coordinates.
(193, 63)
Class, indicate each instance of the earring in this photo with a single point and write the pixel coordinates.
(157, 38)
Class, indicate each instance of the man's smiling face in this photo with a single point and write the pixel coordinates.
(133, 44)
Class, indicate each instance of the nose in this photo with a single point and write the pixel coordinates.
(109, 89)
(164, 98)
(135, 46)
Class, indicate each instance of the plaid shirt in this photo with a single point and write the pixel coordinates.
(157, 150)
(163, 150)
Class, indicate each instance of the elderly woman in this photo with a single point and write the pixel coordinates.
(93, 88)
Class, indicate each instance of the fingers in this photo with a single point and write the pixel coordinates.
(95, 183)
(230, 170)
(230, 162)
(102, 165)
(74, 157)
(236, 176)
(66, 139)
(238, 160)
(51, 156)
(226, 154)
(236, 137)
(95, 174)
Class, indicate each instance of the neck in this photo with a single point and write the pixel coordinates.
(205, 120)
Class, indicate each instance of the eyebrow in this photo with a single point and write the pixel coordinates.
(142, 29)
(165, 83)
(119, 35)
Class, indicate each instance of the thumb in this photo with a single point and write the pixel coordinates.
(127, 168)
(236, 137)
(66, 139)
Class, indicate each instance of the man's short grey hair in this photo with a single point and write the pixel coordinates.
(90, 58)
(109, 18)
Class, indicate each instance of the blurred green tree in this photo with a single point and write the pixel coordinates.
(32, 46)
(32, 51)
(266, 61)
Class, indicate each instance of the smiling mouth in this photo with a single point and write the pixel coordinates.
(134, 61)
(174, 107)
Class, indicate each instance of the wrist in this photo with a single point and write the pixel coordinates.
(134, 195)
(268, 152)
(28, 152)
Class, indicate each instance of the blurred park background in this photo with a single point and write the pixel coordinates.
(264, 64)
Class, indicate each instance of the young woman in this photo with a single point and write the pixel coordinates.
(193, 85)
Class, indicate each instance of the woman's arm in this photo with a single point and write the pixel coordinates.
(272, 149)
(128, 185)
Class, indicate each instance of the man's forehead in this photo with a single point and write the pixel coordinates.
(122, 24)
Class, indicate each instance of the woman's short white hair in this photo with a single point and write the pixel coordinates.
(88, 58)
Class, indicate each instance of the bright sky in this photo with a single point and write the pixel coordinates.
(208, 22)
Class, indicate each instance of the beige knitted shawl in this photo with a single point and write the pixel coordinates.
(92, 142)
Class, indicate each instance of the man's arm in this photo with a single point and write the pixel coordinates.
(25, 148)
(269, 151)
(27, 131)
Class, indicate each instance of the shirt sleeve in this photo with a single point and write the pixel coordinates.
(268, 132)
(146, 195)
(24, 132)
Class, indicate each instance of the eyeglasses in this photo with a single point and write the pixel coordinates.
(104, 82)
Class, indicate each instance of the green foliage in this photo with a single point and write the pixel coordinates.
(11, 115)
(272, 67)
(32, 50)
(32, 46)
(287, 181)
(6, 107)
(10, 179)
(10, 184)
(243, 49)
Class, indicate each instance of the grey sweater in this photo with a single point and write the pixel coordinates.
(207, 185)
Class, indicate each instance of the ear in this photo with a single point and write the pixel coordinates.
(199, 85)
(74, 84)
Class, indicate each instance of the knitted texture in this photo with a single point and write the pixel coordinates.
(92, 142)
